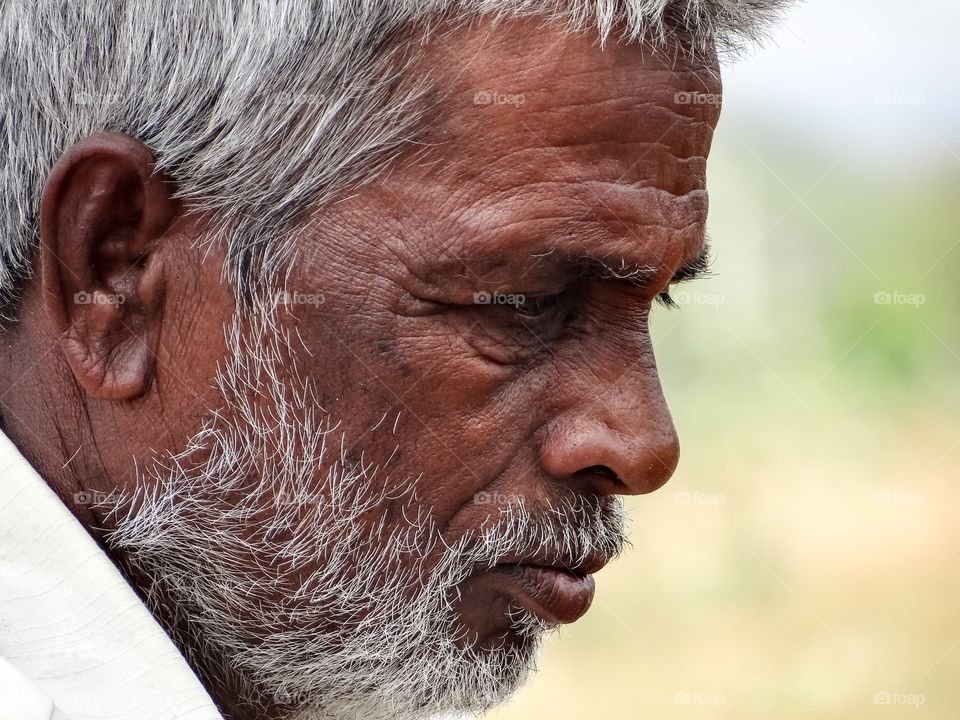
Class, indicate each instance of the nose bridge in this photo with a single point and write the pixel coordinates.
(626, 387)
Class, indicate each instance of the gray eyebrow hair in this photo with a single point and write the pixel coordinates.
(642, 275)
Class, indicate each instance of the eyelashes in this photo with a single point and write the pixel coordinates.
(665, 300)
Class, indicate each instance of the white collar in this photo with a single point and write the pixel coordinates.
(76, 643)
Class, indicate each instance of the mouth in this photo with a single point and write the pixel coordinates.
(553, 594)
(557, 593)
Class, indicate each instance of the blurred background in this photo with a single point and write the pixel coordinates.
(804, 562)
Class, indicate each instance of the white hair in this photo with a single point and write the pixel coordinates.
(295, 576)
(258, 112)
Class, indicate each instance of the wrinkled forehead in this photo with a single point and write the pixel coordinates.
(542, 68)
(544, 132)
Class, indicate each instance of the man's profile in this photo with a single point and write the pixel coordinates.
(326, 325)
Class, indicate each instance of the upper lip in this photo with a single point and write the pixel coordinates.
(587, 566)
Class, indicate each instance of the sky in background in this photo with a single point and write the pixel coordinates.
(858, 74)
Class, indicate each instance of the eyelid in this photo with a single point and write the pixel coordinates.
(549, 302)
(511, 301)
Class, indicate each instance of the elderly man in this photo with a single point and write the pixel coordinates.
(325, 347)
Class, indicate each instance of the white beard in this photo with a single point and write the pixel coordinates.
(327, 599)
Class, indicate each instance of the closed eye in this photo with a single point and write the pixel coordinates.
(535, 307)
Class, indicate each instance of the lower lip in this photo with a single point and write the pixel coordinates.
(555, 595)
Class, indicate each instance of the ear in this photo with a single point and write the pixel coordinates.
(103, 215)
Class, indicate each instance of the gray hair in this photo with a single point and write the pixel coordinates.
(258, 111)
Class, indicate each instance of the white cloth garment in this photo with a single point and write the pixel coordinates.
(76, 643)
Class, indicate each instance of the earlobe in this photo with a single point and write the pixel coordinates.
(103, 217)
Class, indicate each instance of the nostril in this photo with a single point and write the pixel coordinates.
(601, 470)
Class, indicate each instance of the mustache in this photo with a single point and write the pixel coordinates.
(581, 532)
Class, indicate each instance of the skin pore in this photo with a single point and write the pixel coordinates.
(457, 377)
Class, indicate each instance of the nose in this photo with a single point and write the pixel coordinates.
(619, 442)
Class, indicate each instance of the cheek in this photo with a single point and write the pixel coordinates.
(413, 404)
(465, 424)
(414, 397)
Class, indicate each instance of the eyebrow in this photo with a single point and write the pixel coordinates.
(598, 268)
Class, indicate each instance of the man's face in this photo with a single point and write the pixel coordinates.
(467, 295)
(456, 387)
